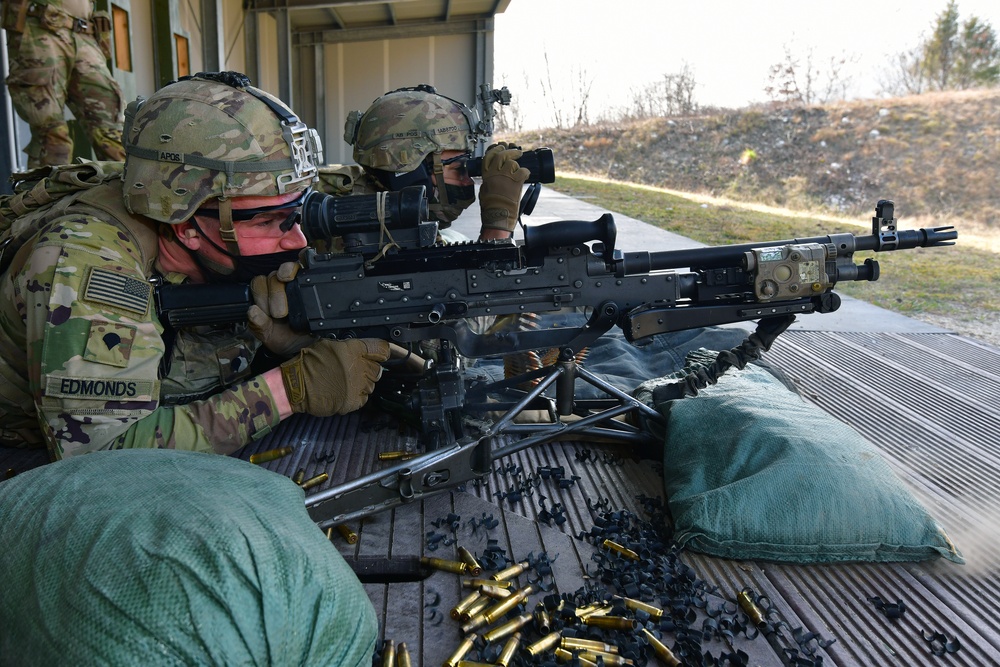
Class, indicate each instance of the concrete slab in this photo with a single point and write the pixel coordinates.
(854, 315)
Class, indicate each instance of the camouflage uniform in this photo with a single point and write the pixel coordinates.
(56, 61)
(83, 348)
(85, 363)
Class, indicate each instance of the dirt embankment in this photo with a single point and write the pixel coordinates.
(936, 155)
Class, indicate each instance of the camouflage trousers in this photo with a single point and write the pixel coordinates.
(50, 69)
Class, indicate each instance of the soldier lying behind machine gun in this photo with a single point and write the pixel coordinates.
(395, 281)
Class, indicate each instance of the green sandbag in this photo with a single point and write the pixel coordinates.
(159, 557)
(752, 471)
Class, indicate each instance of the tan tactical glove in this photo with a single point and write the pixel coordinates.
(268, 316)
(334, 377)
(500, 193)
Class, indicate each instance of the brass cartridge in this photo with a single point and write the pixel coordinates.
(547, 642)
(349, 535)
(610, 659)
(474, 623)
(300, 475)
(611, 623)
(511, 571)
(315, 481)
(270, 455)
(464, 604)
(502, 607)
(655, 613)
(403, 656)
(509, 649)
(475, 610)
(543, 622)
(619, 549)
(574, 644)
(396, 456)
(750, 608)
(495, 592)
(389, 653)
(460, 652)
(562, 655)
(661, 650)
(476, 583)
(508, 628)
(445, 565)
(474, 568)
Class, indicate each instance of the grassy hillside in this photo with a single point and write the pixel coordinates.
(936, 155)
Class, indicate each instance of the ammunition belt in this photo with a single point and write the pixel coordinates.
(53, 17)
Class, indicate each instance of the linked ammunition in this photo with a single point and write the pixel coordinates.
(617, 548)
(315, 481)
(465, 603)
(300, 475)
(611, 623)
(502, 607)
(445, 565)
(750, 608)
(661, 650)
(349, 535)
(655, 613)
(574, 644)
(270, 455)
(474, 568)
(508, 628)
(403, 656)
(511, 571)
(389, 653)
(396, 456)
(476, 583)
(460, 652)
(475, 610)
(544, 644)
(509, 649)
(495, 592)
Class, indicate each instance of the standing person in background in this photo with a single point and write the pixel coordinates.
(58, 51)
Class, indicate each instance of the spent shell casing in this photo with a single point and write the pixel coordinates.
(508, 628)
(349, 535)
(473, 663)
(396, 456)
(561, 654)
(509, 649)
(575, 644)
(611, 623)
(329, 533)
(460, 652)
(475, 610)
(511, 571)
(502, 607)
(403, 656)
(600, 608)
(474, 623)
(465, 603)
(661, 650)
(476, 583)
(474, 568)
(750, 608)
(610, 659)
(270, 455)
(619, 549)
(655, 613)
(315, 481)
(300, 475)
(544, 644)
(389, 653)
(444, 565)
(495, 592)
(543, 622)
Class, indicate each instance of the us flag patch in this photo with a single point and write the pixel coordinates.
(117, 289)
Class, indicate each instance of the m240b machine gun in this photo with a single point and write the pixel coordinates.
(396, 282)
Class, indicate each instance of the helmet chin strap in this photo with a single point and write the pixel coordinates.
(226, 228)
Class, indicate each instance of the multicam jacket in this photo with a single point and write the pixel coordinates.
(85, 364)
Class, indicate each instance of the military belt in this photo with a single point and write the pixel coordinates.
(56, 18)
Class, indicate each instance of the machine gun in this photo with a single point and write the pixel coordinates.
(396, 282)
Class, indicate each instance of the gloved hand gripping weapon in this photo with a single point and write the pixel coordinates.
(396, 282)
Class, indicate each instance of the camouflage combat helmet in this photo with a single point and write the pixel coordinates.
(401, 128)
(213, 135)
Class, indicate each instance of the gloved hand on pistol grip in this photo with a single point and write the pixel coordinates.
(500, 193)
(268, 316)
(334, 377)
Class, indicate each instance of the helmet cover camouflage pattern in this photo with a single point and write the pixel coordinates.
(200, 138)
(403, 127)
